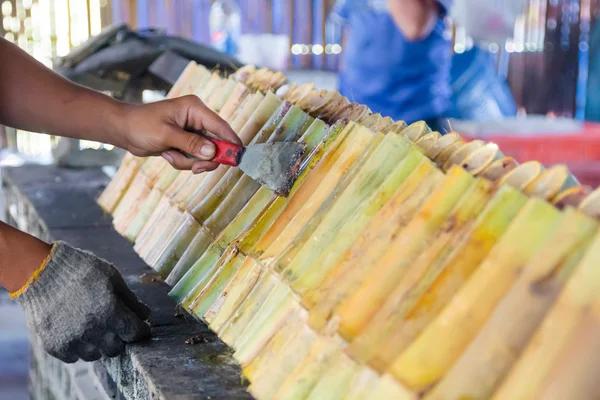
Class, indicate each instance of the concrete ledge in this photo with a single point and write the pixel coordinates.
(58, 204)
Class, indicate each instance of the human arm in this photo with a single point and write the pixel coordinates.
(34, 98)
(77, 304)
(415, 18)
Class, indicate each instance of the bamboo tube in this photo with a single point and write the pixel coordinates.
(340, 142)
(268, 319)
(574, 374)
(238, 95)
(336, 380)
(212, 93)
(131, 202)
(481, 158)
(508, 329)
(265, 360)
(522, 175)
(246, 187)
(498, 168)
(373, 185)
(571, 197)
(303, 379)
(218, 211)
(310, 267)
(241, 115)
(186, 75)
(362, 143)
(430, 356)
(440, 145)
(215, 285)
(466, 253)
(445, 154)
(240, 285)
(248, 307)
(287, 359)
(581, 291)
(218, 99)
(204, 92)
(116, 188)
(356, 312)
(376, 147)
(396, 127)
(141, 217)
(349, 273)
(428, 140)
(351, 112)
(461, 153)
(371, 344)
(550, 182)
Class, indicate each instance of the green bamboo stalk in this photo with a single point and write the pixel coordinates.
(351, 214)
(371, 173)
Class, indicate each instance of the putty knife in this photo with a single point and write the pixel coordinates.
(274, 165)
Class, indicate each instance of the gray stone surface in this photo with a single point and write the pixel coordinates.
(163, 367)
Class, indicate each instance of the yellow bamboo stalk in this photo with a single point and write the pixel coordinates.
(371, 345)
(509, 328)
(582, 290)
(522, 175)
(430, 356)
(358, 310)
(350, 273)
(467, 251)
(498, 168)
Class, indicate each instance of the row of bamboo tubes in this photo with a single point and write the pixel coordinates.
(404, 264)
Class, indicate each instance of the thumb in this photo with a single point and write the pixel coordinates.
(193, 144)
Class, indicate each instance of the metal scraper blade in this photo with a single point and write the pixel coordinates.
(274, 165)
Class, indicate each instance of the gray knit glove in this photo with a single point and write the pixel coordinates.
(80, 307)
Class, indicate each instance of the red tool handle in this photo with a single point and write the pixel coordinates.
(227, 153)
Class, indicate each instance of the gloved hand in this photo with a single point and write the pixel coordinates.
(80, 307)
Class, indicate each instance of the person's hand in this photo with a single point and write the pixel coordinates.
(163, 127)
(79, 307)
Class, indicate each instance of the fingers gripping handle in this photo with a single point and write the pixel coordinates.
(226, 152)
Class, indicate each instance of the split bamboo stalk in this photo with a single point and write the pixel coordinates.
(349, 273)
(371, 345)
(489, 357)
(466, 252)
(430, 356)
(581, 291)
(359, 309)
(365, 195)
(355, 222)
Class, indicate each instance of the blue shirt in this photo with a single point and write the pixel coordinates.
(405, 80)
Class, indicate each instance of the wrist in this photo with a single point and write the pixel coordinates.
(118, 127)
(21, 255)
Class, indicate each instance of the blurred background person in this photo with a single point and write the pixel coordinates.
(397, 58)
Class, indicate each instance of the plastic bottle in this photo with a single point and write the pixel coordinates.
(225, 26)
